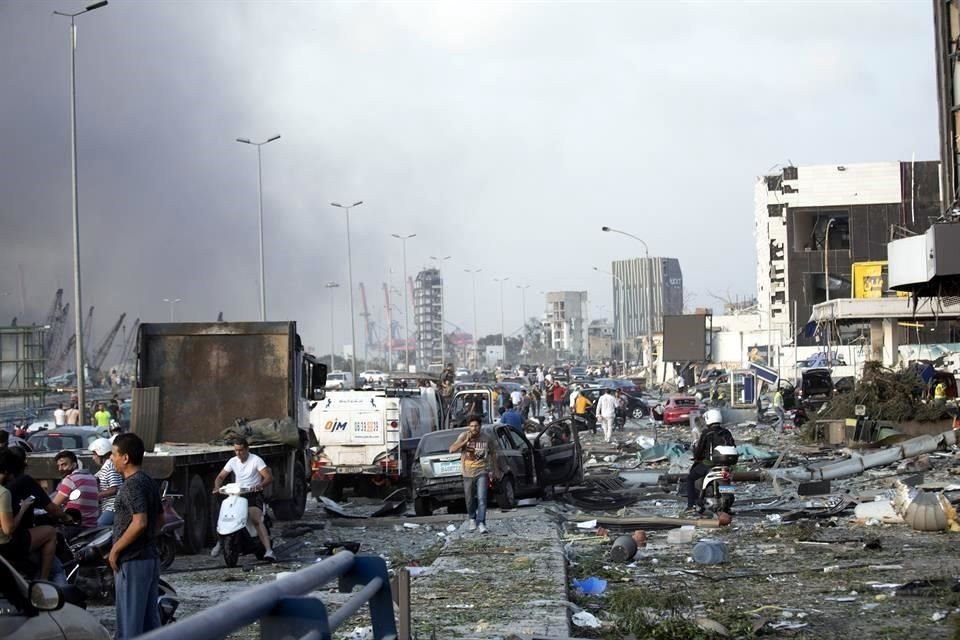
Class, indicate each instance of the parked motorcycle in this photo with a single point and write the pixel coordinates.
(171, 534)
(715, 491)
(237, 534)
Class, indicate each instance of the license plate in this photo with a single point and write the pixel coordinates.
(726, 488)
(446, 468)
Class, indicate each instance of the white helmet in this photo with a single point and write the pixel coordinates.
(712, 417)
(100, 446)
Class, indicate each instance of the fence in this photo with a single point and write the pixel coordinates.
(285, 612)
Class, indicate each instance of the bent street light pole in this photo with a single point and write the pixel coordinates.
(826, 281)
(333, 347)
(648, 357)
(353, 332)
(78, 306)
(263, 284)
(171, 302)
(406, 313)
(443, 303)
(476, 335)
(621, 329)
(503, 335)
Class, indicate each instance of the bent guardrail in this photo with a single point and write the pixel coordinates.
(285, 612)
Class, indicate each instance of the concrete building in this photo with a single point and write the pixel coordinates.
(600, 339)
(428, 317)
(666, 287)
(565, 322)
(862, 205)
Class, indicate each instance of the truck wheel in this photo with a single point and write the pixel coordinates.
(423, 507)
(507, 496)
(293, 508)
(198, 515)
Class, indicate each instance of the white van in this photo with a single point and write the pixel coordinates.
(340, 380)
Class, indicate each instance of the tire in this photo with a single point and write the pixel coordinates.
(726, 504)
(299, 500)
(637, 413)
(231, 548)
(507, 496)
(457, 506)
(258, 550)
(168, 551)
(423, 507)
(197, 521)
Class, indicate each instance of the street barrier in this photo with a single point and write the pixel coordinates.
(284, 611)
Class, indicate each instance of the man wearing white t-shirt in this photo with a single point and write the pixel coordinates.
(251, 473)
(60, 416)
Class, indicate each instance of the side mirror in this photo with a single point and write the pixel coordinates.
(45, 596)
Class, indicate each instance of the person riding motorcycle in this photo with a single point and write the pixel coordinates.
(714, 435)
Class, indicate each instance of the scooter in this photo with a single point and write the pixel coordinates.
(237, 534)
(171, 533)
(716, 489)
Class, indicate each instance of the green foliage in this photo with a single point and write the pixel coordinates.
(887, 395)
(653, 615)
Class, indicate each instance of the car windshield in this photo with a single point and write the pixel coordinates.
(438, 442)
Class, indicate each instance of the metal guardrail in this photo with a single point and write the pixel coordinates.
(285, 612)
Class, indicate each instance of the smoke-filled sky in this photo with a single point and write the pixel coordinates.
(502, 134)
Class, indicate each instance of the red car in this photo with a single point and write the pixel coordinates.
(678, 409)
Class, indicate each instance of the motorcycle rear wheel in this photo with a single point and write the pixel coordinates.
(231, 549)
(168, 551)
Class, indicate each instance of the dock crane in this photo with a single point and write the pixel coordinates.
(100, 356)
(87, 333)
(368, 321)
(130, 338)
(51, 319)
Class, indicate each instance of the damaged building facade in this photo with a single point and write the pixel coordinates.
(565, 322)
(812, 223)
(428, 317)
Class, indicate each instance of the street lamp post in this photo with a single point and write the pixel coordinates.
(171, 302)
(353, 332)
(443, 304)
(648, 357)
(77, 305)
(333, 348)
(406, 313)
(826, 283)
(263, 284)
(622, 324)
(503, 335)
(476, 334)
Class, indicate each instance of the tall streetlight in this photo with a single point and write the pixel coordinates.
(826, 286)
(406, 314)
(476, 333)
(503, 335)
(622, 324)
(353, 332)
(648, 357)
(263, 284)
(331, 286)
(443, 303)
(77, 305)
(171, 302)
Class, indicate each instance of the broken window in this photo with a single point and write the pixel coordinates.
(790, 173)
(815, 286)
(810, 228)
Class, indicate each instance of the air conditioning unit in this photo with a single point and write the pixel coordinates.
(918, 260)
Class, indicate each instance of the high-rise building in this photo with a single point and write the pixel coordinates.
(812, 223)
(664, 290)
(565, 322)
(428, 317)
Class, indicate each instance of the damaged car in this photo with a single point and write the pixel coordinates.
(529, 466)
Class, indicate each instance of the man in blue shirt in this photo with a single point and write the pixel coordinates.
(511, 417)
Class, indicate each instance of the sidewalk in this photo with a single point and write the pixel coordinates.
(510, 581)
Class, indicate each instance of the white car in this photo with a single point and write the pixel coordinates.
(340, 380)
(373, 376)
(462, 374)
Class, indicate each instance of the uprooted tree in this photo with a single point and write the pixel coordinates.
(896, 396)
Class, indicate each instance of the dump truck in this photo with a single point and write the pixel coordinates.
(194, 381)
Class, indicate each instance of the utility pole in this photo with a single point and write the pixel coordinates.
(333, 349)
(353, 331)
(406, 312)
(503, 335)
(263, 284)
(476, 333)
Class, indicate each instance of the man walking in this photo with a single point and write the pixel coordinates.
(607, 411)
(478, 452)
(778, 408)
(134, 557)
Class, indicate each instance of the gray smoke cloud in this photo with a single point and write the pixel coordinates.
(503, 135)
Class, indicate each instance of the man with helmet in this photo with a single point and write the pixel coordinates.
(108, 478)
(714, 435)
